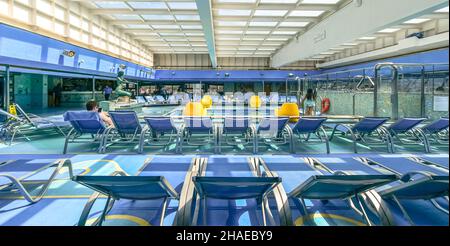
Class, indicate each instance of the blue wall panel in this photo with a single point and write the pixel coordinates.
(434, 56)
(16, 43)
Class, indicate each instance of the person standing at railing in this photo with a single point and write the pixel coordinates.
(309, 103)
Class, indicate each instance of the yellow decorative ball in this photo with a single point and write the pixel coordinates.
(194, 109)
(207, 101)
(255, 102)
(289, 110)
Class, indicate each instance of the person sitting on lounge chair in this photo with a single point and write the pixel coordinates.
(93, 107)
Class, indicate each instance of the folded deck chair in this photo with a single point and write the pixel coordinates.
(234, 188)
(13, 180)
(419, 182)
(341, 184)
(436, 132)
(155, 130)
(26, 125)
(274, 130)
(127, 129)
(406, 132)
(85, 123)
(199, 126)
(236, 127)
(365, 128)
(125, 187)
(306, 127)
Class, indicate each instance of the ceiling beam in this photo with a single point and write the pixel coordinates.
(205, 11)
(364, 20)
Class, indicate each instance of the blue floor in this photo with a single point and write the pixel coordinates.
(64, 201)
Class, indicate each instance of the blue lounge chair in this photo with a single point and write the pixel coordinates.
(419, 182)
(125, 187)
(366, 127)
(200, 126)
(341, 183)
(127, 129)
(234, 188)
(274, 131)
(156, 129)
(28, 125)
(406, 132)
(12, 172)
(236, 127)
(305, 127)
(429, 160)
(85, 123)
(436, 133)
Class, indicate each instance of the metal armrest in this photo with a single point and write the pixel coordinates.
(408, 177)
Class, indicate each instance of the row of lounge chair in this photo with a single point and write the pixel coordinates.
(199, 131)
(366, 183)
(184, 98)
(25, 125)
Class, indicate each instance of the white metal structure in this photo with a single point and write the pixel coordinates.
(284, 30)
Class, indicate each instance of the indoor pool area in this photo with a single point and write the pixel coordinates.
(224, 113)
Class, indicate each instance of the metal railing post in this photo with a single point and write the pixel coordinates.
(6, 89)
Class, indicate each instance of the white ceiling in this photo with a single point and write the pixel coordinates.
(242, 27)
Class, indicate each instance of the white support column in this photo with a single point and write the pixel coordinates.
(353, 22)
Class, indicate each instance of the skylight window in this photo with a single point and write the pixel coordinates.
(270, 12)
(182, 5)
(264, 23)
(112, 5)
(147, 5)
(187, 17)
(320, 1)
(416, 21)
(231, 23)
(443, 10)
(284, 32)
(306, 13)
(389, 30)
(258, 32)
(280, 1)
(157, 17)
(127, 17)
(229, 32)
(165, 26)
(368, 38)
(294, 24)
(234, 12)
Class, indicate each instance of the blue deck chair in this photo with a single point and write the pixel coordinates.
(340, 184)
(419, 182)
(83, 123)
(12, 172)
(234, 188)
(199, 126)
(406, 130)
(437, 161)
(127, 129)
(436, 132)
(155, 130)
(275, 130)
(125, 187)
(235, 126)
(306, 127)
(360, 131)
